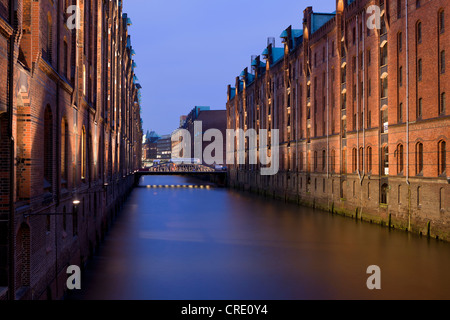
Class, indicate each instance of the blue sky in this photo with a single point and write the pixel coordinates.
(188, 51)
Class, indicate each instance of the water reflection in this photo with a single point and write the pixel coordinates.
(181, 244)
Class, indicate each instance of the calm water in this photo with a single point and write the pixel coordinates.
(183, 244)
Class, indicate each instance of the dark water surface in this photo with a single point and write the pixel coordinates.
(218, 244)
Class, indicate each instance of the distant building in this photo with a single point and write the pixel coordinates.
(150, 148)
(211, 119)
(164, 148)
(182, 120)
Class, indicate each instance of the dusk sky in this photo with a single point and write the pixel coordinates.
(187, 52)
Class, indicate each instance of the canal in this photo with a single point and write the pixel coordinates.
(181, 243)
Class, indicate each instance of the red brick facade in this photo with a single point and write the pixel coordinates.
(364, 125)
(70, 129)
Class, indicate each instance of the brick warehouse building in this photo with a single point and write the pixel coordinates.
(362, 114)
(70, 137)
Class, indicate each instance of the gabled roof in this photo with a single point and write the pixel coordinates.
(319, 19)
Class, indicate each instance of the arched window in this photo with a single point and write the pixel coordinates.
(354, 156)
(383, 194)
(442, 61)
(400, 159)
(442, 158)
(315, 160)
(399, 9)
(324, 159)
(419, 158)
(441, 21)
(361, 158)
(400, 42)
(83, 153)
(369, 159)
(48, 149)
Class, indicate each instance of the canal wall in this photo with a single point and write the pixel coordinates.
(64, 240)
(420, 207)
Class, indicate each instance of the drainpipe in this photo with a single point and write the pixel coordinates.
(357, 100)
(11, 265)
(296, 124)
(58, 121)
(407, 119)
(364, 95)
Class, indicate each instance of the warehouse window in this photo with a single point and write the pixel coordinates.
(442, 157)
(400, 159)
(419, 108)
(419, 158)
(369, 159)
